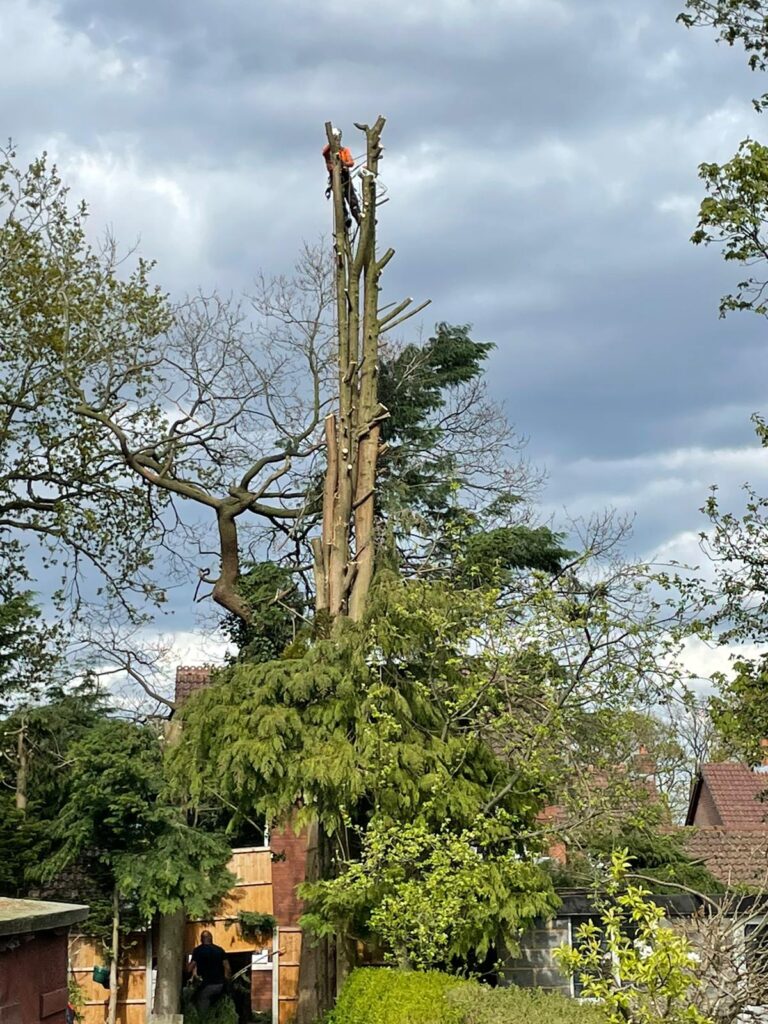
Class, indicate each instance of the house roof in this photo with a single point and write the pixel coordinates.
(20, 916)
(733, 856)
(190, 679)
(735, 791)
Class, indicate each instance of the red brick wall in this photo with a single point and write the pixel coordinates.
(261, 991)
(33, 980)
(287, 872)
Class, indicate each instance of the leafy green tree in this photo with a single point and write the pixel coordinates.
(74, 328)
(432, 895)
(733, 216)
(639, 970)
(28, 646)
(737, 22)
(740, 709)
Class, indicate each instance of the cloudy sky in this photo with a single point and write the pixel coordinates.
(541, 162)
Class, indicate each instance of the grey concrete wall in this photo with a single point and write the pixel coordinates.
(534, 965)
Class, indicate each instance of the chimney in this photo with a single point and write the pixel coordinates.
(763, 766)
(645, 763)
(189, 679)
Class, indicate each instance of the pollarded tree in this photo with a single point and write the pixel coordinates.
(215, 404)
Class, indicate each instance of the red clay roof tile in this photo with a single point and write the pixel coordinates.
(735, 790)
(734, 856)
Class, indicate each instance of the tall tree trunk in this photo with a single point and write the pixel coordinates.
(22, 768)
(317, 965)
(344, 556)
(170, 963)
(171, 933)
(115, 955)
(352, 434)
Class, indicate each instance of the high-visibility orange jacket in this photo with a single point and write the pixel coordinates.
(344, 155)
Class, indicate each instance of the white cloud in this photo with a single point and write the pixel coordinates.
(704, 660)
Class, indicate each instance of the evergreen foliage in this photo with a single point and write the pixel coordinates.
(414, 385)
(426, 733)
(116, 817)
(49, 729)
(655, 850)
(425, 474)
(277, 604)
(367, 733)
(28, 646)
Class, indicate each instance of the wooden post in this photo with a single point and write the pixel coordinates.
(276, 975)
(22, 767)
(148, 954)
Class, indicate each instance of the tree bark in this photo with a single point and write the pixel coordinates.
(171, 929)
(317, 964)
(352, 436)
(225, 592)
(114, 956)
(22, 768)
(170, 963)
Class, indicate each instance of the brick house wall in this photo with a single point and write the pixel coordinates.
(706, 814)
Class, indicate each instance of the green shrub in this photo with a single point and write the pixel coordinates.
(379, 995)
(223, 1012)
(482, 1005)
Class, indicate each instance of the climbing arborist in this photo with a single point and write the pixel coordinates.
(351, 205)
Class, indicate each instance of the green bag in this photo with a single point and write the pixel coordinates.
(101, 976)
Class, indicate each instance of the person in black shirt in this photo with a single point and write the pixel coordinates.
(208, 963)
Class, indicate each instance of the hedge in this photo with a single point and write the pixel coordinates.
(382, 996)
(483, 1005)
(379, 995)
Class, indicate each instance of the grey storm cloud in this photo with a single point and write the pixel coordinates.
(541, 164)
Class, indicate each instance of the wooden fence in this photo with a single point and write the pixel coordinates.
(253, 893)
